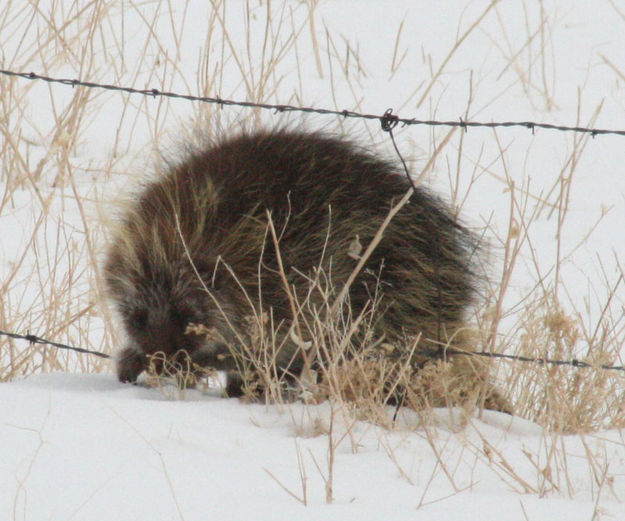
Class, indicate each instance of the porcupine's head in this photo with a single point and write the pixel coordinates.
(160, 274)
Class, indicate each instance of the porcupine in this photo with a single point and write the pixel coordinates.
(194, 248)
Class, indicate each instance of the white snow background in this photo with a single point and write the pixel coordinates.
(79, 445)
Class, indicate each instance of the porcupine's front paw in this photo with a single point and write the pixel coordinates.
(130, 364)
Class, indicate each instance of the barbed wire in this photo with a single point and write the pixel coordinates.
(281, 108)
(574, 362)
(431, 353)
(33, 339)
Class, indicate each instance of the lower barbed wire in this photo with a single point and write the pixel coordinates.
(434, 354)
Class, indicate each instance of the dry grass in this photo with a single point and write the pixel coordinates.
(53, 195)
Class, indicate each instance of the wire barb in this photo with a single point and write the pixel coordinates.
(389, 120)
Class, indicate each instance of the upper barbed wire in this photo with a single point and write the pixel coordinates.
(461, 123)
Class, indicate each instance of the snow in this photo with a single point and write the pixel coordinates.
(87, 447)
(83, 446)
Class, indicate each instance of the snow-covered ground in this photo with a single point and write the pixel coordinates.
(85, 447)
(82, 446)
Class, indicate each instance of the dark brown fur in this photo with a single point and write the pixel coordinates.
(208, 215)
